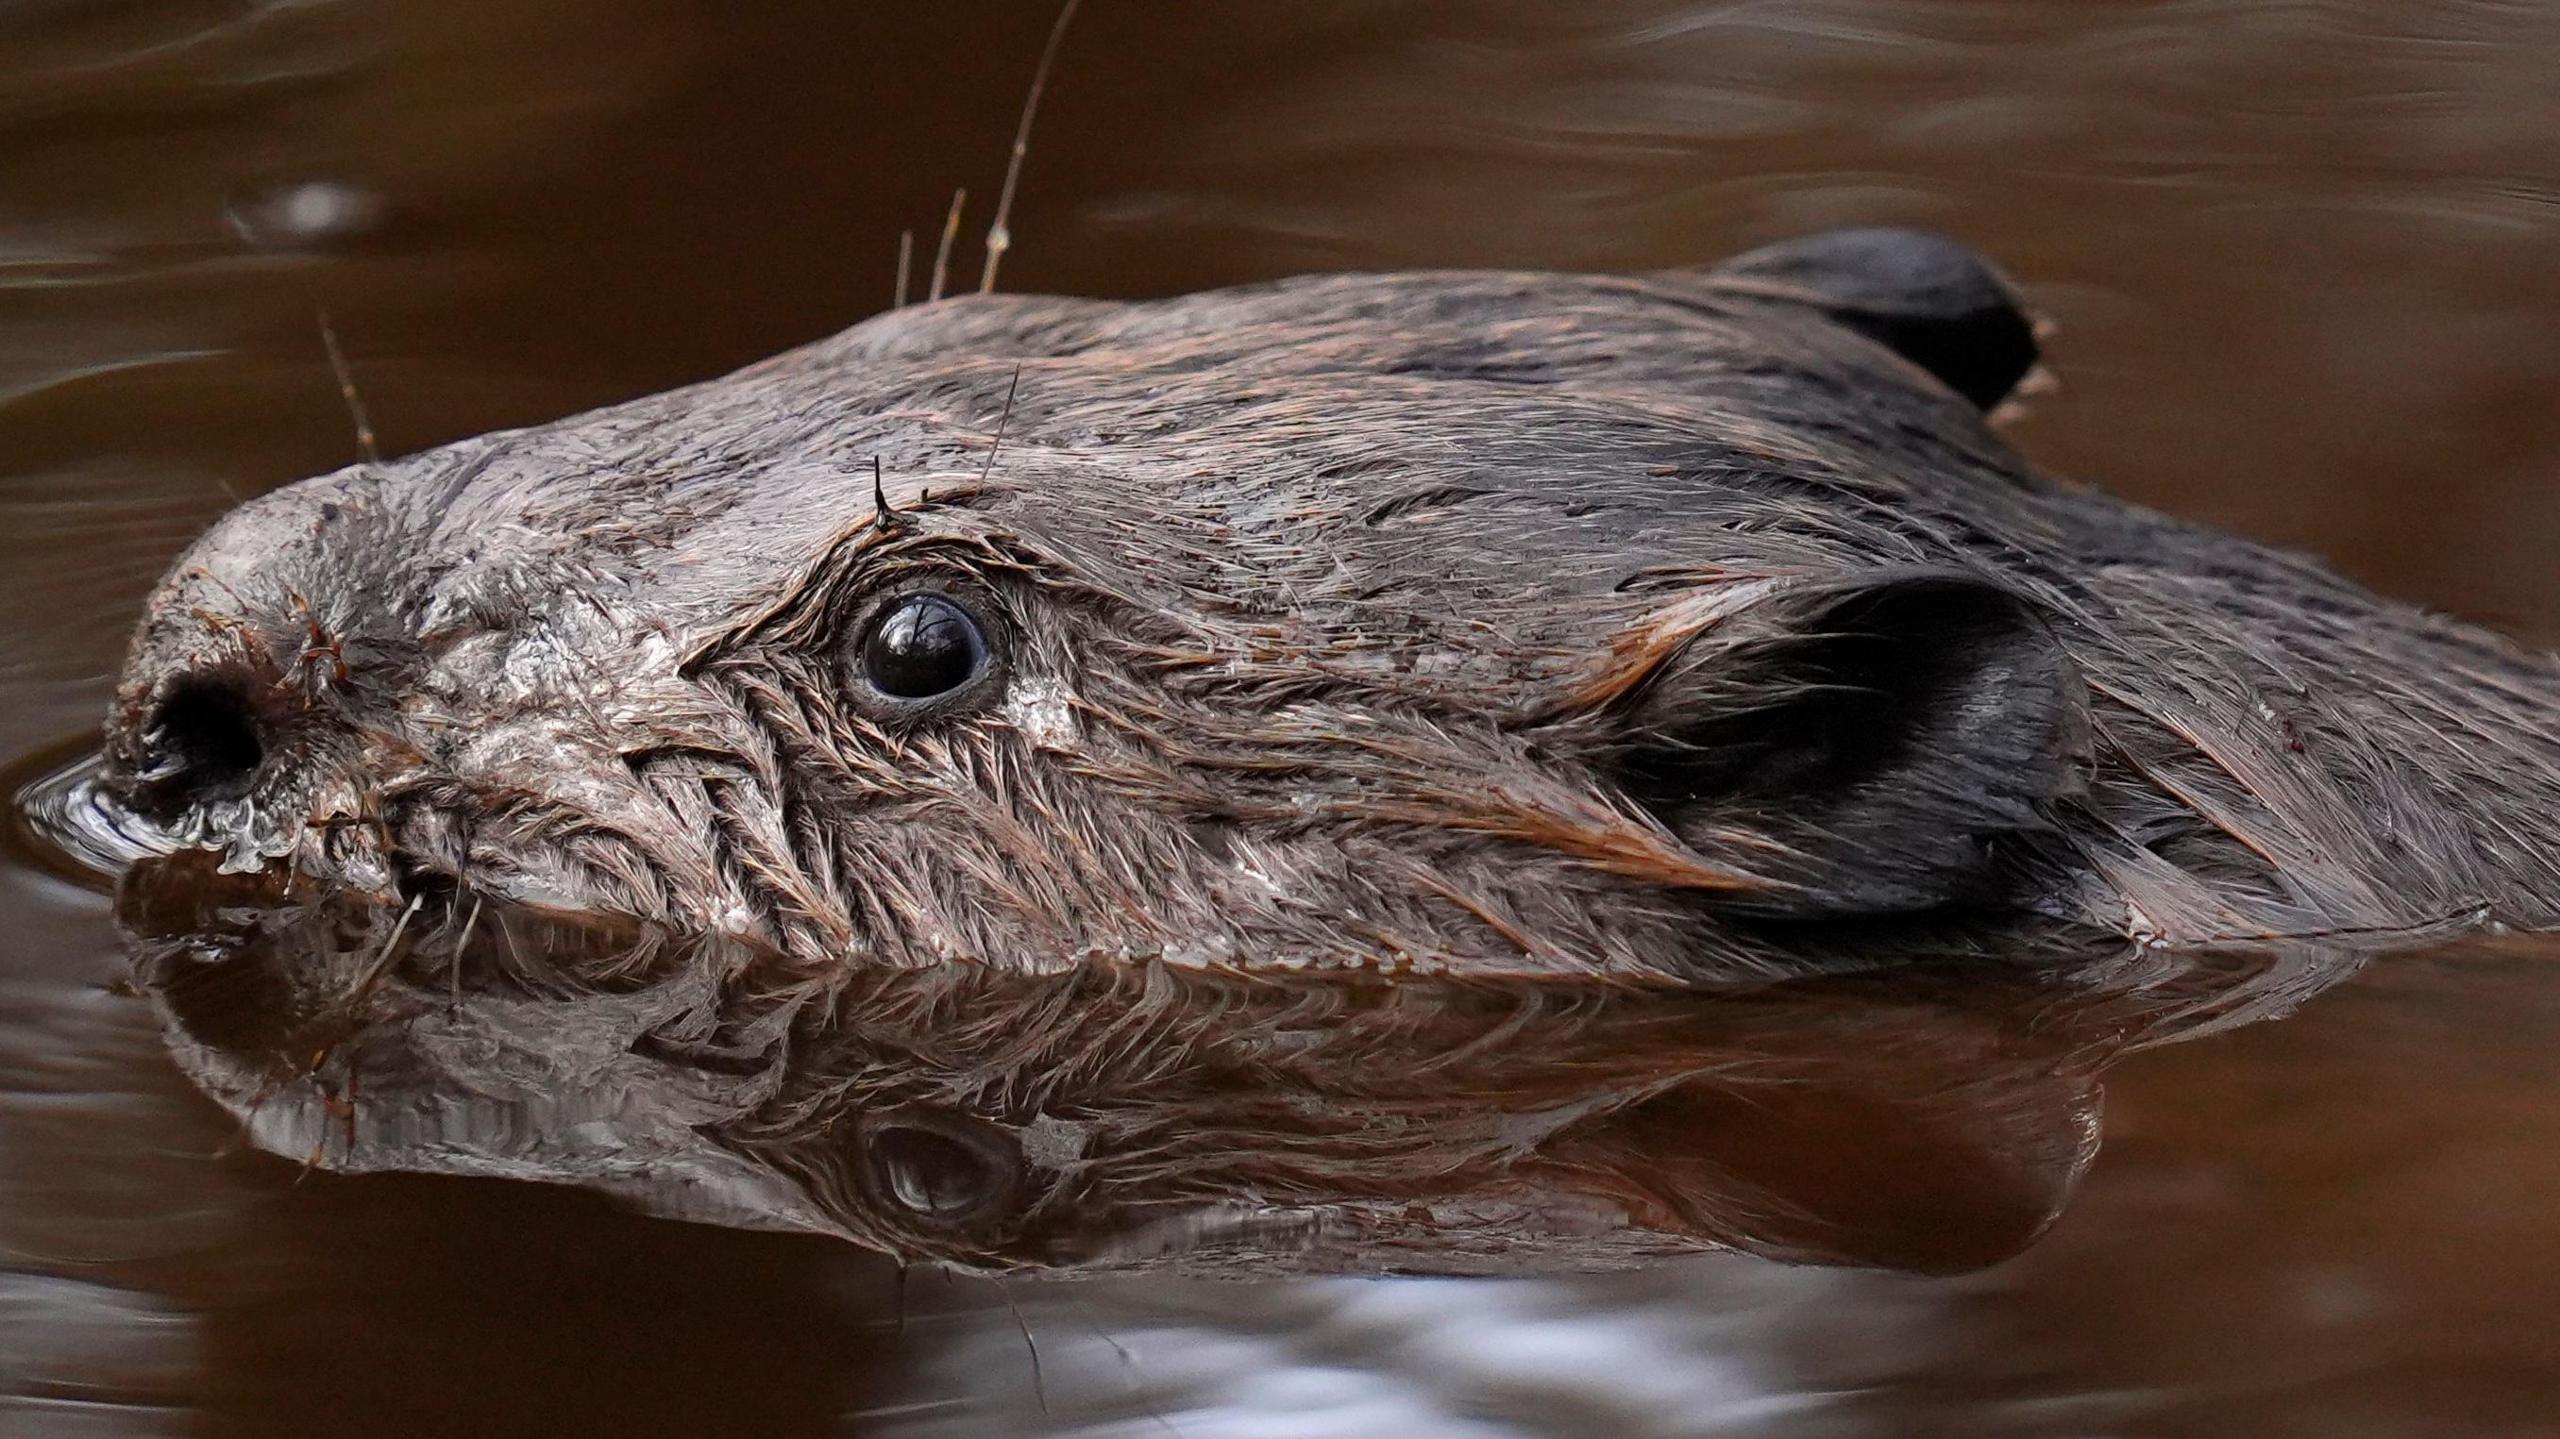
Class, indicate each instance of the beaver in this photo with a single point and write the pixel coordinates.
(928, 728)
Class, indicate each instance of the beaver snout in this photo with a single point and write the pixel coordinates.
(247, 658)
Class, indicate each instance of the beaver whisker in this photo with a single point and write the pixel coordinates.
(942, 251)
(999, 233)
(1039, 1387)
(372, 972)
(461, 952)
(1012, 386)
(346, 378)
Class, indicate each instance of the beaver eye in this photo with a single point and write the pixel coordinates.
(922, 646)
(939, 1172)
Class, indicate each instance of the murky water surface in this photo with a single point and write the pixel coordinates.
(2303, 262)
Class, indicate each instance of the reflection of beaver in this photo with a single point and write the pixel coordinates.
(1685, 628)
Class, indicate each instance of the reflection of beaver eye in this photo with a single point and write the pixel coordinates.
(943, 1172)
(923, 646)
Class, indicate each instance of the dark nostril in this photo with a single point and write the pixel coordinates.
(202, 745)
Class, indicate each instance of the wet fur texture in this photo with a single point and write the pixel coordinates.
(1665, 626)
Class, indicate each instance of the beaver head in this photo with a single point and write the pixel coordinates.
(1497, 622)
(1688, 631)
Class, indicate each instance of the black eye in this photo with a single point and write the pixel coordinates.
(923, 646)
(946, 1173)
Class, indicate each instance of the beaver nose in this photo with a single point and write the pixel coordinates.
(203, 743)
(242, 652)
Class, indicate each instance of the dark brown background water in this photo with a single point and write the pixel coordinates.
(2306, 263)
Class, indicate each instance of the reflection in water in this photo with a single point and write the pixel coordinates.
(2300, 258)
(1906, 1122)
(1121, 1116)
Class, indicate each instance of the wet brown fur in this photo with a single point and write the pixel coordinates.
(1321, 603)
(1446, 624)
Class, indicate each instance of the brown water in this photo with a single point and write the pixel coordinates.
(2305, 260)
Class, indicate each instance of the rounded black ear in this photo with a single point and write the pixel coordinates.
(1862, 745)
(1925, 297)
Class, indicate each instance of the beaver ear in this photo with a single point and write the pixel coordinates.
(1862, 746)
(1927, 298)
